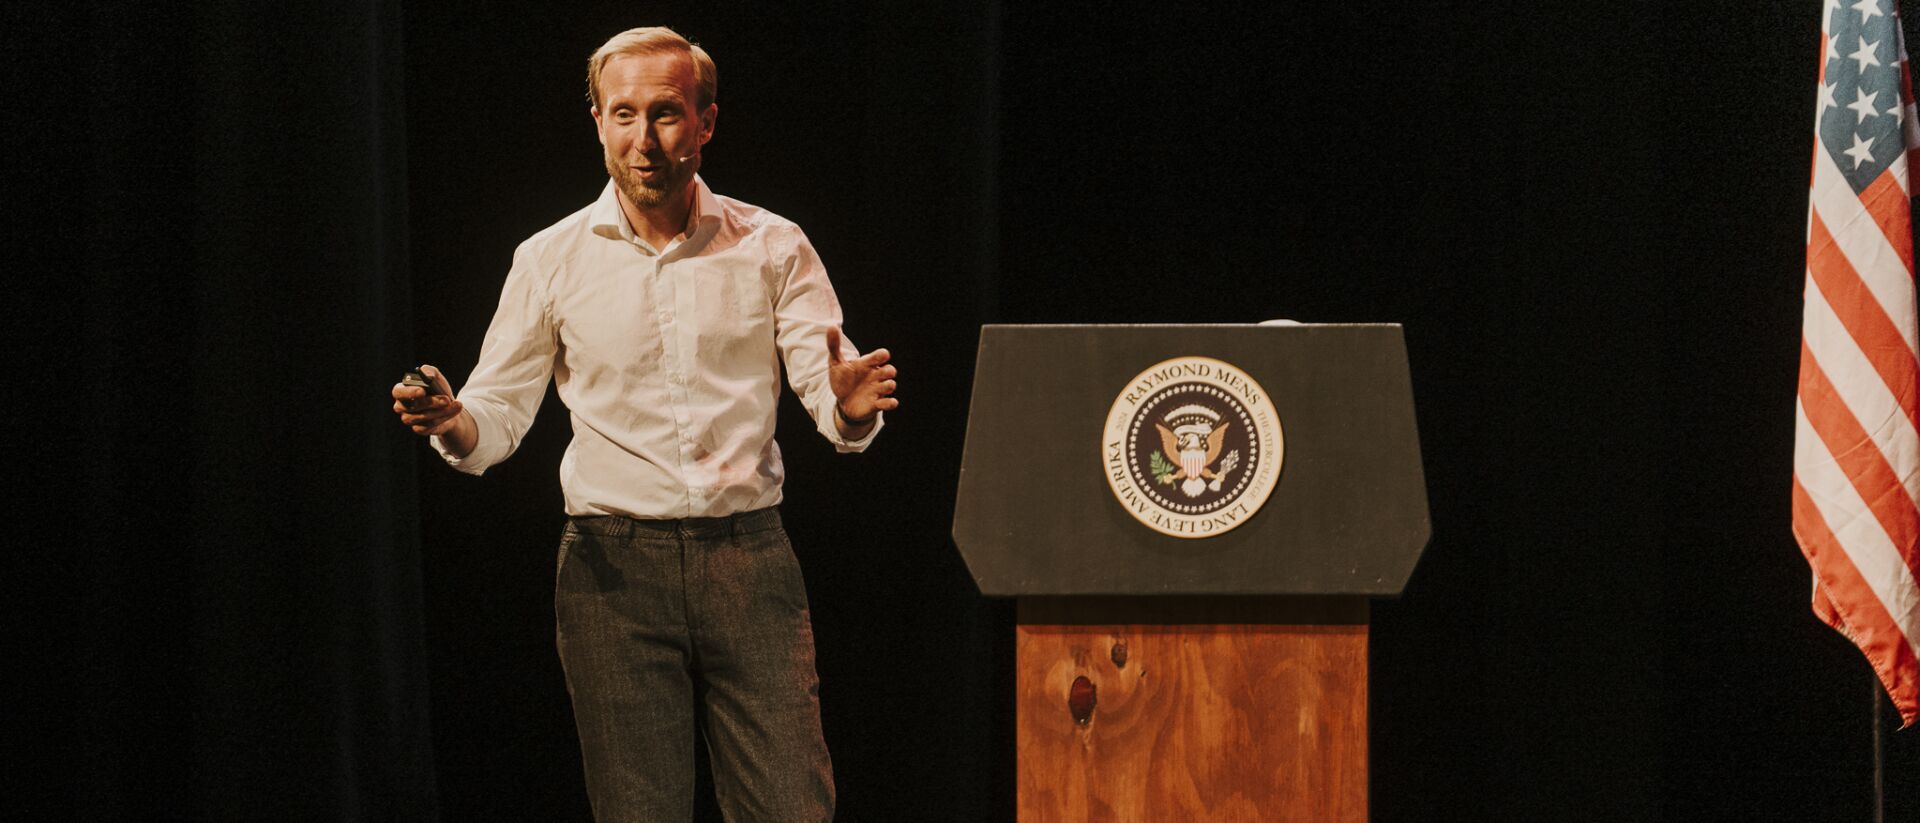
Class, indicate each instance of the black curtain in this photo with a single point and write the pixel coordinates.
(224, 527)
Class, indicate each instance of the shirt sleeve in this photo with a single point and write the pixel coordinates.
(516, 359)
(805, 308)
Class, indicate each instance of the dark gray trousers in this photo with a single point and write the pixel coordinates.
(651, 613)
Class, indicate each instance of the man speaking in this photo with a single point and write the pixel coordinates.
(663, 311)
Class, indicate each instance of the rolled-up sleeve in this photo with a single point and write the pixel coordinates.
(806, 306)
(516, 359)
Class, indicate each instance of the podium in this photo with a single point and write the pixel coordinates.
(1192, 518)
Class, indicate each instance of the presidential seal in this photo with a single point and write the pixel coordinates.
(1192, 447)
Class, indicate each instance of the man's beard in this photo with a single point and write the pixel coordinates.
(651, 195)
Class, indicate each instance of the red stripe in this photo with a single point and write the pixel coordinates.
(1823, 608)
(1872, 330)
(1868, 624)
(1859, 457)
(1823, 59)
(1888, 205)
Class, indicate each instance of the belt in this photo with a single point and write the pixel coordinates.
(758, 520)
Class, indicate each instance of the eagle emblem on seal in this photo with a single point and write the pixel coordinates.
(1191, 438)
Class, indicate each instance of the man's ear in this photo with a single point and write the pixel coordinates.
(707, 119)
(599, 128)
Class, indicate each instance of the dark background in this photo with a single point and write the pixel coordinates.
(246, 593)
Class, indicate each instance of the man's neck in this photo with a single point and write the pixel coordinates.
(659, 225)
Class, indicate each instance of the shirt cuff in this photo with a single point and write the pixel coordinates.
(845, 446)
(486, 450)
(464, 465)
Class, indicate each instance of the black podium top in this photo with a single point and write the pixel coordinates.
(1038, 515)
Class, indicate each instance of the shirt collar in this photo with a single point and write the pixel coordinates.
(607, 220)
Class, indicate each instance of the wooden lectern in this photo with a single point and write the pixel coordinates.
(1185, 651)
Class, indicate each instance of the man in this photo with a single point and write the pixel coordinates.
(663, 312)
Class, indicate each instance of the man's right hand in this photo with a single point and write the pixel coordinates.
(427, 415)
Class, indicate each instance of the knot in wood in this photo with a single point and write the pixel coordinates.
(1081, 700)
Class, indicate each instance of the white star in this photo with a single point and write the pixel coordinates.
(1865, 54)
(1894, 111)
(1827, 13)
(1863, 103)
(1867, 9)
(1826, 100)
(1861, 152)
(1833, 46)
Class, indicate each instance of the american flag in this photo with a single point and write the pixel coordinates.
(1856, 458)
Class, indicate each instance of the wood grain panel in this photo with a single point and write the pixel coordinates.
(1213, 722)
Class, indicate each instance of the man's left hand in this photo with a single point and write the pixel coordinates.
(862, 386)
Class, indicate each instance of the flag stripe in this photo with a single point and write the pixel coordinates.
(1865, 247)
(1856, 388)
(1862, 543)
(1863, 241)
(1843, 590)
(1886, 202)
(1856, 454)
(1824, 56)
(1869, 326)
(1823, 607)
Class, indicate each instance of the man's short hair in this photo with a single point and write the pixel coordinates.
(654, 40)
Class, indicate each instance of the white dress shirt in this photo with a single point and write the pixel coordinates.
(668, 360)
